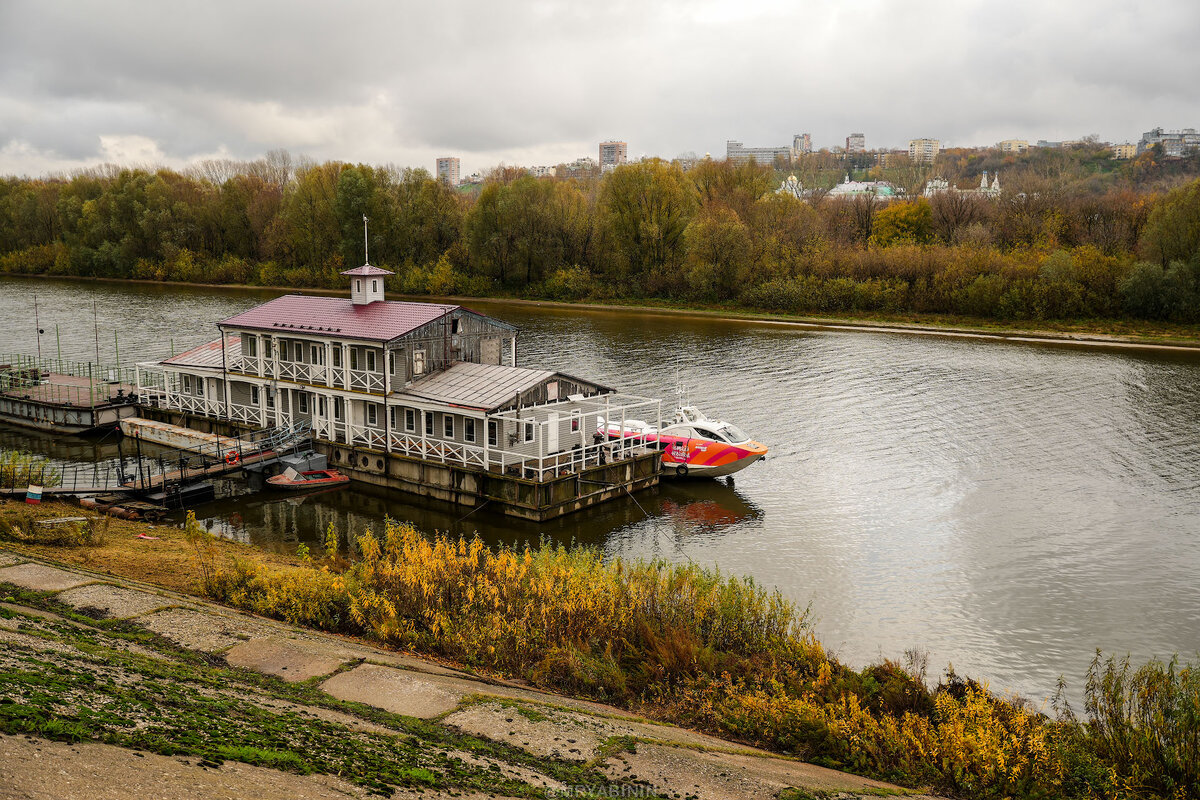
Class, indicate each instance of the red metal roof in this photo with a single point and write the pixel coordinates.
(380, 321)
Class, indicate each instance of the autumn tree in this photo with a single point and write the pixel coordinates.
(909, 223)
(646, 208)
(1173, 230)
(718, 254)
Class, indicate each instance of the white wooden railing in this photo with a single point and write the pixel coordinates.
(363, 381)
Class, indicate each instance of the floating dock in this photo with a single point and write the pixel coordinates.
(64, 396)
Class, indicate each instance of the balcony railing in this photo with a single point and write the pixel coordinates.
(301, 372)
(252, 415)
(436, 450)
(247, 365)
(363, 381)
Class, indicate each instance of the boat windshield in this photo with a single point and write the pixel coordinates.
(733, 434)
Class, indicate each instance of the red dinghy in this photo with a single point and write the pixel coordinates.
(313, 479)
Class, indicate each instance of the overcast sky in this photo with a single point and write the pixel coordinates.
(526, 83)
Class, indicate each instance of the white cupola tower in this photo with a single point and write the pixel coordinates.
(366, 284)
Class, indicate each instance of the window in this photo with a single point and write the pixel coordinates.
(448, 426)
(392, 361)
(337, 355)
(454, 325)
(251, 344)
(358, 286)
(418, 362)
(321, 407)
(270, 398)
(253, 395)
(318, 354)
(374, 287)
(339, 409)
(428, 423)
(372, 413)
(468, 430)
(267, 347)
(552, 390)
(529, 430)
(187, 384)
(370, 360)
(574, 422)
(302, 402)
(353, 358)
(493, 433)
(410, 420)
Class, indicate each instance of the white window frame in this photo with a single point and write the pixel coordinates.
(493, 433)
(410, 420)
(302, 402)
(418, 362)
(429, 427)
(447, 426)
(373, 414)
(530, 430)
(468, 430)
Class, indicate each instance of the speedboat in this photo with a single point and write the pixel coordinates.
(692, 445)
(312, 479)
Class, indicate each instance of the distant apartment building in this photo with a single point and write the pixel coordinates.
(1013, 146)
(447, 171)
(923, 151)
(1174, 143)
(1124, 151)
(738, 153)
(612, 154)
(802, 144)
(1058, 145)
(856, 143)
(541, 172)
(579, 168)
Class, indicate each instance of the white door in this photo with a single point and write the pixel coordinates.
(552, 433)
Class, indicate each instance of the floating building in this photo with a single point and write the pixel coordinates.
(422, 397)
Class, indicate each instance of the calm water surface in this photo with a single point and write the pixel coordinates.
(1006, 507)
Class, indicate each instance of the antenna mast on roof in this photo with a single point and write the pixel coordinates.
(366, 255)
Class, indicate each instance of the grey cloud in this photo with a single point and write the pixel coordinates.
(395, 81)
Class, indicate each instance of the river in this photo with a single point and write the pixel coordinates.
(1005, 507)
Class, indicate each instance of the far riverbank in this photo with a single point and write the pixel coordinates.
(1086, 333)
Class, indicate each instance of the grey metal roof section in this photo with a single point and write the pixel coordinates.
(481, 386)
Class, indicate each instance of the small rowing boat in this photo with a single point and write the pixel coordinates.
(313, 479)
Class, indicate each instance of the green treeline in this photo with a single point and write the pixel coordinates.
(1074, 234)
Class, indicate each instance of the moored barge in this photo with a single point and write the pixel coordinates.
(423, 397)
(64, 396)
